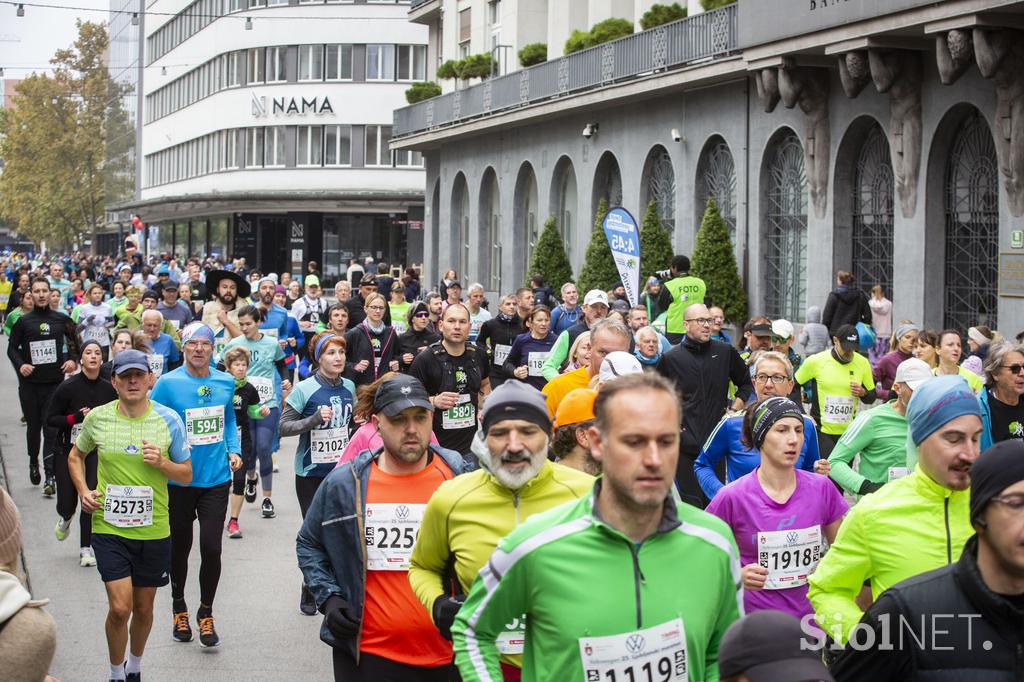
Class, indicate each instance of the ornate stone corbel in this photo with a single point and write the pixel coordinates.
(954, 53)
(899, 73)
(767, 82)
(1000, 56)
(807, 87)
(854, 72)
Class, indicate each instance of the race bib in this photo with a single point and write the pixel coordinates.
(535, 362)
(839, 409)
(76, 431)
(98, 334)
(501, 353)
(263, 386)
(272, 333)
(156, 363)
(461, 416)
(391, 531)
(399, 326)
(656, 653)
(898, 472)
(205, 425)
(789, 555)
(43, 352)
(326, 445)
(127, 506)
(511, 640)
(176, 324)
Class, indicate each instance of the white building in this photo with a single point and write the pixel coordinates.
(266, 127)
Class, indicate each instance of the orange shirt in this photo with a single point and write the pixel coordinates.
(395, 624)
(560, 386)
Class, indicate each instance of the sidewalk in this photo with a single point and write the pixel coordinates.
(263, 635)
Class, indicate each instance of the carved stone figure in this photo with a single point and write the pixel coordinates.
(954, 53)
(767, 83)
(899, 73)
(1000, 55)
(854, 72)
(807, 88)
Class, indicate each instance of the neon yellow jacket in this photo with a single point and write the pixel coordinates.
(910, 526)
(468, 515)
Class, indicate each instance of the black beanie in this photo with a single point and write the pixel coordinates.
(995, 470)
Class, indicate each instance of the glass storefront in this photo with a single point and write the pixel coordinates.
(181, 251)
(379, 237)
(218, 234)
(197, 243)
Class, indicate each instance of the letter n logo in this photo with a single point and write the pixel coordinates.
(259, 105)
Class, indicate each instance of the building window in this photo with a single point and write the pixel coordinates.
(494, 12)
(412, 62)
(257, 65)
(660, 187)
(235, 5)
(377, 139)
(254, 148)
(311, 62)
(278, 2)
(873, 188)
(276, 64)
(257, 3)
(338, 146)
(231, 156)
(786, 231)
(274, 149)
(408, 159)
(465, 25)
(380, 62)
(339, 62)
(233, 64)
(717, 177)
(309, 146)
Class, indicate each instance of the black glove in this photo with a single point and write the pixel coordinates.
(444, 611)
(869, 487)
(340, 619)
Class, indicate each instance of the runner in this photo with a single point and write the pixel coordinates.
(398, 308)
(530, 350)
(269, 376)
(773, 376)
(174, 310)
(837, 379)
(357, 570)
(275, 317)
(496, 337)
(95, 320)
(246, 403)
(140, 445)
(607, 336)
(567, 313)
(220, 313)
(950, 350)
(68, 408)
(319, 411)
(129, 315)
(902, 343)
(879, 437)
(204, 399)
(570, 441)
(372, 345)
(164, 356)
(595, 308)
(626, 537)
(1002, 406)
(417, 336)
(467, 516)
(43, 347)
(309, 309)
(914, 524)
(477, 313)
(455, 375)
(781, 516)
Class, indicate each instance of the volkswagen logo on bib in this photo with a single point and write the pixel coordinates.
(635, 644)
(791, 537)
(131, 449)
(402, 512)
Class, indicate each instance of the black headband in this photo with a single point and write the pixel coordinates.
(770, 411)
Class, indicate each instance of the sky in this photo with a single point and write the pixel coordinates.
(27, 43)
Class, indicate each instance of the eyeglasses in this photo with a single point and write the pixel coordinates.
(375, 307)
(422, 315)
(718, 318)
(1015, 503)
(779, 339)
(1014, 368)
(701, 320)
(774, 378)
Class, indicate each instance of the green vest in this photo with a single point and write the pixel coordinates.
(685, 292)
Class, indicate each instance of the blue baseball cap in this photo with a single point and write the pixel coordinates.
(130, 359)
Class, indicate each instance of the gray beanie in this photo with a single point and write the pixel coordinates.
(516, 400)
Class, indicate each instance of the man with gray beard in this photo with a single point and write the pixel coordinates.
(467, 515)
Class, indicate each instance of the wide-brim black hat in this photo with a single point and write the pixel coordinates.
(213, 278)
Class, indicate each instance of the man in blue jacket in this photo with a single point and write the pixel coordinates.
(358, 535)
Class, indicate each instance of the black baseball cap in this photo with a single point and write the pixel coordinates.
(761, 329)
(171, 285)
(766, 647)
(150, 293)
(848, 337)
(400, 393)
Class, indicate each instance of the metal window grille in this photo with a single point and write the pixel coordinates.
(719, 177)
(786, 232)
(873, 188)
(661, 188)
(972, 227)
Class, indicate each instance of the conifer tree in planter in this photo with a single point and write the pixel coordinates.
(598, 271)
(655, 245)
(549, 257)
(714, 262)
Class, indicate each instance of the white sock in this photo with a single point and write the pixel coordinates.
(117, 671)
(134, 664)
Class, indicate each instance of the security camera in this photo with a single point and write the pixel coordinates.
(589, 130)
(676, 135)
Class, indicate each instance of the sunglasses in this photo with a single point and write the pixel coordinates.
(422, 315)
(1014, 368)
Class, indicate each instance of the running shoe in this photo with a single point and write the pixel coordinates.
(61, 529)
(50, 487)
(181, 630)
(133, 677)
(233, 530)
(250, 490)
(307, 605)
(86, 558)
(268, 508)
(207, 633)
(33, 473)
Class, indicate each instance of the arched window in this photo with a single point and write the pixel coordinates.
(972, 227)
(873, 187)
(460, 226)
(564, 202)
(607, 183)
(490, 229)
(659, 186)
(716, 177)
(785, 230)
(526, 217)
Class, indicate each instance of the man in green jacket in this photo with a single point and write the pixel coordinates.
(914, 524)
(631, 542)
(678, 293)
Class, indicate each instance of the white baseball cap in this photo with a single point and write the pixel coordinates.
(595, 296)
(913, 372)
(618, 364)
(782, 328)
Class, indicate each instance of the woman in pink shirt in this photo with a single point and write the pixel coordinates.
(366, 437)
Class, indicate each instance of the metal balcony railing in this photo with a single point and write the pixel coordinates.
(702, 36)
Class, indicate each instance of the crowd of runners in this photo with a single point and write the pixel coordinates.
(547, 486)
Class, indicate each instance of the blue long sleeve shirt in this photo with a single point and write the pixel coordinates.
(740, 460)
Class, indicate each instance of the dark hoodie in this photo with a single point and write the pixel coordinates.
(845, 305)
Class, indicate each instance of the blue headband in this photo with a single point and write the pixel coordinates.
(319, 347)
(938, 401)
(197, 331)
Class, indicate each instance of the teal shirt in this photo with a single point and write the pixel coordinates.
(308, 396)
(264, 352)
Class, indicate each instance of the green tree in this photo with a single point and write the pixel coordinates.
(714, 262)
(533, 54)
(475, 66)
(661, 14)
(54, 144)
(549, 257)
(418, 92)
(601, 32)
(578, 40)
(598, 271)
(448, 70)
(655, 244)
(715, 4)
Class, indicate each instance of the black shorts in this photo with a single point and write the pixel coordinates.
(146, 562)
